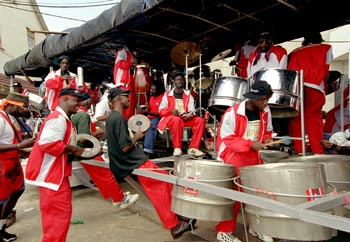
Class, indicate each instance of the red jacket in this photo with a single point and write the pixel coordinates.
(47, 164)
(168, 104)
(231, 145)
(314, 59)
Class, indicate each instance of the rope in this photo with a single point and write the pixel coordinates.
(203, 180)
(275, 194)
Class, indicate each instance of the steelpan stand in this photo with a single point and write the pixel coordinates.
(301, 98)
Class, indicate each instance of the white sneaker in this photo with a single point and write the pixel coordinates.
(262, 237)
(177, 152)
(226, 237)
(127, 200)
(195, 152)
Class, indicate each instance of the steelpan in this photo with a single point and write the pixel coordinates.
(284, 102)
(198, 204)
(285, 182)
(337, 169)
(228, 90)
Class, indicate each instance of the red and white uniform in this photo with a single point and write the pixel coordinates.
(123, 60)
(49, 169)
(242, 63)
(314, 59)
(275, 57)
(176, 124)
(54, 83)
(333, 118)
(234, 144)
(11, 178)
(123, 79)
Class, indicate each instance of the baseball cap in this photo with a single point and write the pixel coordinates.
(113, 92)
(258, 90)
(179, 73)
(71, 92)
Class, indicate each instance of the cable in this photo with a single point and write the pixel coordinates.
(58, 6)
(47, 14)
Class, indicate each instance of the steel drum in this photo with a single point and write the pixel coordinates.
(337, 169)
(285, 182)
(284, 102)
(228, 90)
(197, 204)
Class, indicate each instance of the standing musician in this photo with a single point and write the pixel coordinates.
(11, 179)
(314, 58)
(57, 80)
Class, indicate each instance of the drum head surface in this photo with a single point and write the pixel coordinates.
(139, 122)
(96, 146)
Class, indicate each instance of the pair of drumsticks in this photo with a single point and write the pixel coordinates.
(286, 140)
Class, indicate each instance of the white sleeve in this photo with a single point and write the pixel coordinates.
(54, 130)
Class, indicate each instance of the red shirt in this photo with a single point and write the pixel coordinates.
(154, 103)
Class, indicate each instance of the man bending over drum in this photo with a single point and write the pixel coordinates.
(177, 111)
(244, 129)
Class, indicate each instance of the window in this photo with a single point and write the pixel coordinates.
(31, 40)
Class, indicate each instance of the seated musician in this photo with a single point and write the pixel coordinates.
(157, 92)
(177, 111)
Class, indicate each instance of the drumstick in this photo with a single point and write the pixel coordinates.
(286, 140)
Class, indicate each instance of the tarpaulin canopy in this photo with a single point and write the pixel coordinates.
(152, 28)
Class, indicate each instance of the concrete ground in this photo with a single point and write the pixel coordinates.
(103, 222)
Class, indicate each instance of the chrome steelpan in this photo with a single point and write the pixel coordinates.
(284, 102)
(199, 204)
(290, 183)
(228, 90)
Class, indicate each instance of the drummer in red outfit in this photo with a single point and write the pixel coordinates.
(314, 58)
(178, 111)
(243, 130)
(266, 55)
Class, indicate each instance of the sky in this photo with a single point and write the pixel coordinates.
(71, 9)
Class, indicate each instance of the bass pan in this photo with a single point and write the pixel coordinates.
(284, 102)
(228, 90)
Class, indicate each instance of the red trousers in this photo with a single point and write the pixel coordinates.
(105, 181)
(159, 193)
(314, 101)
(228, 226)
(56, 212)
(176, 125)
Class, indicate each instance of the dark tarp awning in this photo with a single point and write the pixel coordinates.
(215, 25)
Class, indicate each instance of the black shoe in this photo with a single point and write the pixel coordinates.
(180, 228)
(186, 219)
(7, 237)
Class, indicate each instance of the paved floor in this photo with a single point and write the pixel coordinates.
(103, 222)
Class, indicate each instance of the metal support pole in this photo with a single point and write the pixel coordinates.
(186, 69)
(11, 83)
(200, 85)
(342, 85)
(302, 111)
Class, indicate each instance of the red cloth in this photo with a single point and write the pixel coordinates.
(314, 60)
(48, 152)
(154, 103)
(235, 150)
(122, 66)
(105, 181)
(56, 212)
(314, 101)
(159, 193)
